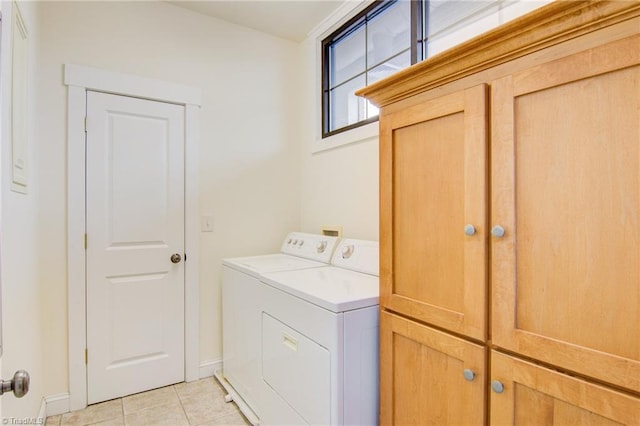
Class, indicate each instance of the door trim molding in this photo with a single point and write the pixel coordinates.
(78, 80)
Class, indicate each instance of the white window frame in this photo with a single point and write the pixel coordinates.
(339, 17)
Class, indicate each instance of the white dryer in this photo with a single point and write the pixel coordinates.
(320, 341)
(241, 312)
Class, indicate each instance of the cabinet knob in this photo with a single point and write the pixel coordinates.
(497, 231)
(497, 386)
(469, 375)
(469, 229)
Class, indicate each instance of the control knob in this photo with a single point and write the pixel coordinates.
(321, 246)
(347, 251)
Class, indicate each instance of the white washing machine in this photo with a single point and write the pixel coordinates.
(241, 312)
(320, 341)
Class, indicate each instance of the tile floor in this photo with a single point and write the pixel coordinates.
(196, 403)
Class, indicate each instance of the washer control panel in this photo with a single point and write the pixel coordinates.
(310, 246)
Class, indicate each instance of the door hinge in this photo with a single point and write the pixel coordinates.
(85, 241)
(86, 356)
(85, 124)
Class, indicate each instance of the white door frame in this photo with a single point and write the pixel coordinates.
(79, 79)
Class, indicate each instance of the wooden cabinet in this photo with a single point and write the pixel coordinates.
(422, 376)
(433, 183)
(534, 395)
(510, 225)
(565, 158)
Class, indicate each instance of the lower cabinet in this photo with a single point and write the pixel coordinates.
(533, 395)
(428, 377)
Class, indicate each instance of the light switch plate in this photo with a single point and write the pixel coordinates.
(206, 223)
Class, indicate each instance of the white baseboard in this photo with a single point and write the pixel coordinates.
(208, 368)
(42, 414)
(56, 404)
(59, 404)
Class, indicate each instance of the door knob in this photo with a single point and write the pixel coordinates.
(19, 384)
(176, 258)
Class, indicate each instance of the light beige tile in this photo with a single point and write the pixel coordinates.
(94, 413)
(154, 398)
(205, 407)
(207, 386)
(119, 421)
(236, 419)
(169, 414)
(53, 420)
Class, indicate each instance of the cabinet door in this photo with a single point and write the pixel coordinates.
(566, 189)
(533, 395)
(422, 376)
(432, 184)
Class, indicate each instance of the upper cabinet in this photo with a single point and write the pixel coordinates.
(434, 211)
(565, 161)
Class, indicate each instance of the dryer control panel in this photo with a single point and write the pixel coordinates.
(358, 255)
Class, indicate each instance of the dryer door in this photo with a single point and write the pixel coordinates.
(298, 369)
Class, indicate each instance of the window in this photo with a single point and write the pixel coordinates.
(446, 23)
(371, 46)
(386, 37)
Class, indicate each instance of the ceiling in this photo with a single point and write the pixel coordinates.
(288, 19)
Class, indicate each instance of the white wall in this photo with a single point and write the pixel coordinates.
(341, 188)
(249, 150)
(340, 185)
(21, 278)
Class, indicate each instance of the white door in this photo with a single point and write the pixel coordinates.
(135, 226)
